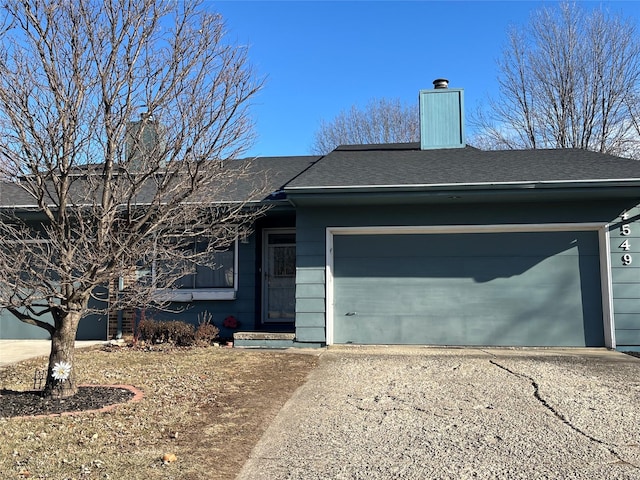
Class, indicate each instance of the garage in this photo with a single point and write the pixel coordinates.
(479, 286)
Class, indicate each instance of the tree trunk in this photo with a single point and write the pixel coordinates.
(63, 350)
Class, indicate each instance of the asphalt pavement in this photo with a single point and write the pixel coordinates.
(432, 413)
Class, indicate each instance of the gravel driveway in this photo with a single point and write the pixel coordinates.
(429, 413)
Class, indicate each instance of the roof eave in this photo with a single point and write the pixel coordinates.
(549, 184)
(247, 203)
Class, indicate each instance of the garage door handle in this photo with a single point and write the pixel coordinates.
(349, 314)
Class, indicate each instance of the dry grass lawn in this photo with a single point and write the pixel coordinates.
(208, 406)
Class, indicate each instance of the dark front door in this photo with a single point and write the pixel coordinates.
(279, 276)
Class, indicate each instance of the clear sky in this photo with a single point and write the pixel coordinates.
(321, 57)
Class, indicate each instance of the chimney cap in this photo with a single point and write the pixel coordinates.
(441, 83)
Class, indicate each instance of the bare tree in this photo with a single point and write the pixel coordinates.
(112, 193)
(381, 121)
(567, 80)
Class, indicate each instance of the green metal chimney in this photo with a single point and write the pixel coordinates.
(442, 116)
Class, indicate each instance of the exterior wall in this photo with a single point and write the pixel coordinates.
(310, 283)
(110, 324)
(12, 328)
(624, 234)
(92, 327)
(245, 307)
(312, 222)
(102, 327)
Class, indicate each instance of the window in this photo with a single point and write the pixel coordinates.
(217, 280)
(221, 275)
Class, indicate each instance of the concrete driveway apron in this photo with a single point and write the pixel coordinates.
(13, 351)
(420, 413)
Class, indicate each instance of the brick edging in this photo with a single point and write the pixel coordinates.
(137, 396)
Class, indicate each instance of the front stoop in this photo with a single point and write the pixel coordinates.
(263, 340)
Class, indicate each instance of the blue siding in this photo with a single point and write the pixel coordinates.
(12, 328)
(245, 307)
(624, 234)
(310, 303)
(91, 327)
(312, 221)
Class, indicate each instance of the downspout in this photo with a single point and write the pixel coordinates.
(120, 288)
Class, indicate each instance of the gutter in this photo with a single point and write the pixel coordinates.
(251, 203)
(544, 184)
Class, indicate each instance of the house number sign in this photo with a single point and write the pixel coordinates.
(625, 231)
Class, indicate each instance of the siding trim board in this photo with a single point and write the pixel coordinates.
(602, 230)
(607, 287)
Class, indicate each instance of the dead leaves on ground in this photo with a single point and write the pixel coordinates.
(205, 406)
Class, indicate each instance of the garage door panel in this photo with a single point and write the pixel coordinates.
(460, 300)
(459, 330)
(468, 244)
(531, 270)
(443, 298)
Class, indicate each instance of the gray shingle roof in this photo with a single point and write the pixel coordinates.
(361, 166)
(266, 176)
(12, 195)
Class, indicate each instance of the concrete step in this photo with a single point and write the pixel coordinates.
(263, 340)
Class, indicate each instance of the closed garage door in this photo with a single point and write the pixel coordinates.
(504, 289)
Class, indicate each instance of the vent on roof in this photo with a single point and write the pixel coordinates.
(442, 116)
(440, 83)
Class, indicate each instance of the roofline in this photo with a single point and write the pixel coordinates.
(146, 204)
(472, 186)
(543, 184)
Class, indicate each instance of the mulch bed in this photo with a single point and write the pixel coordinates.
(31, 403)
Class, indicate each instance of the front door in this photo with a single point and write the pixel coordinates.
(279, 276)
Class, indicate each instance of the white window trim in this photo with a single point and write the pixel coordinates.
(187, 295)
(603, 242)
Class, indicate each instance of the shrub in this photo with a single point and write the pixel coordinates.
(178, 333)
(182, 334)
(206, 332)
(146, 330)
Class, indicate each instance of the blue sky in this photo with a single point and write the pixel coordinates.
(321, 57)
